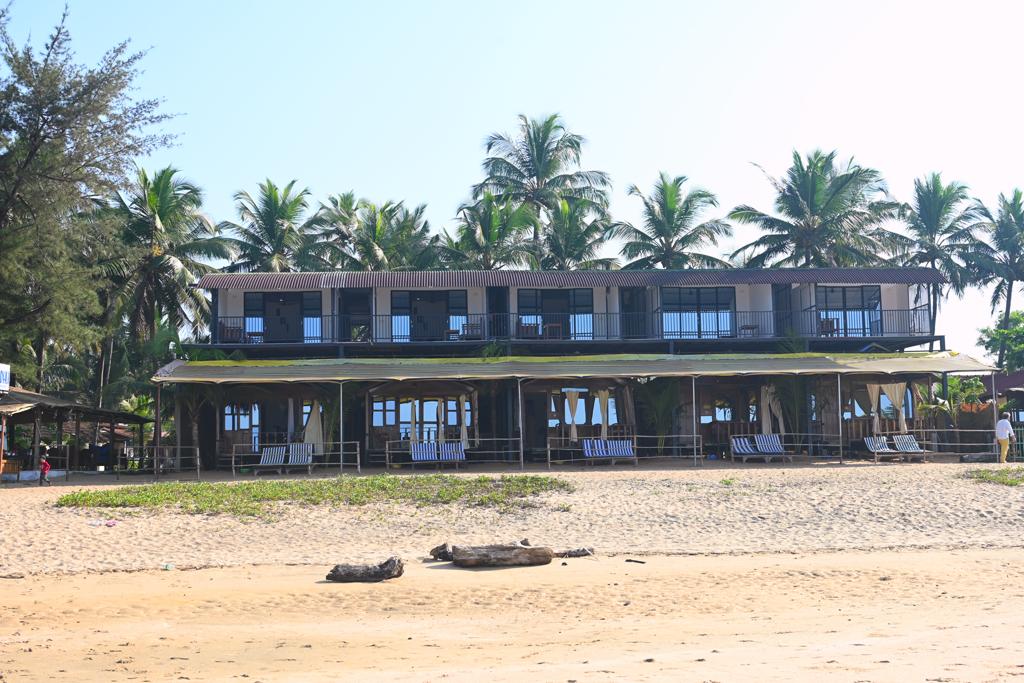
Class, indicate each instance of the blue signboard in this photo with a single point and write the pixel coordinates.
(5, 378)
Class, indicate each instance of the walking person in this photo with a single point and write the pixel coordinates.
(44, 471)
(1004, 435)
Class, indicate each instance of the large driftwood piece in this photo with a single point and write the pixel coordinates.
(514, 555)
(442, 552)
(390, 568)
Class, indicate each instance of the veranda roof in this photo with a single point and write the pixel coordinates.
(533, 367)
(20, 401)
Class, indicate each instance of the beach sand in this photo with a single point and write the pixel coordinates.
(894, 572)
(884, 616)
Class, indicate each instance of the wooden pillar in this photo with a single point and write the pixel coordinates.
(839, 403)
(341, 427)
(78, 439)
(3, 444)
(522, 430)
(693, 411)
(156, 433)
(35, 439)
(177, 433)
(60, 441)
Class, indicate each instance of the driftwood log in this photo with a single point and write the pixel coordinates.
(512, 555)
(442, 552)
(390, 568)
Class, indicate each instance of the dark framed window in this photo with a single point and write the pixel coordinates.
(849, 311)
(312, 322)
(252, 309)
(401, 303)
(457, 302)
(698, 312)
(528, 301)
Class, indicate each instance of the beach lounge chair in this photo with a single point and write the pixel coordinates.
(907, 444)
(770, 446)
(740, 447)
(301, 455)
(271, 457)
(452, 451)
(424, 451)
(878, 446)
(609, 449)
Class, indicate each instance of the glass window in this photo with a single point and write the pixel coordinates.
(528, 301)
(457, 302)
(400, 303)
(698, 312)
(253, 311)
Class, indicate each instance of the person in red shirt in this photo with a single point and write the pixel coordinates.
(44, 471)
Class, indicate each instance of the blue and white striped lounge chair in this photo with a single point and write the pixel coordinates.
(878, 446)
(770, 446)
(907, 444)
(301, 455)
(271, 457)
(740, 447)
(424, 451)
(452, 451)
(621, 448)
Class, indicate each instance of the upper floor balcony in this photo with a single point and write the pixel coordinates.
(659, 325)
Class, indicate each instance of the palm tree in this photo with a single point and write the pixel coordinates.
(574, 237)
(169, 242)
(539, 166)
(490, 235)
(829, 215)
(273, 235)
(390, 237)
(999, 257)
(671, 235)
(940, 224)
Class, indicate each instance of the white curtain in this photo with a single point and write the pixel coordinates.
(573, 397)
(874, 391)
(414, 422)
(602, 400)
(766, 410)
(771, 405)
(314, 429)
(463, 429)
(897, 393)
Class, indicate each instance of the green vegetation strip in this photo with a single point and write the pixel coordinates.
(1010, 476)
(257, 497)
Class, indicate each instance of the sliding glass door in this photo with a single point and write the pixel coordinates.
(698, 312)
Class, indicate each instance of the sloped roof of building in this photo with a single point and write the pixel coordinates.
(534, 367)
(22, 400)
(449, 279)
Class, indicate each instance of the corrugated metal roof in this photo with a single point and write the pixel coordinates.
(451, 279)
(533, 367)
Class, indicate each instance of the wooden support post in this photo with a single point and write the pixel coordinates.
(995, 403)
(3, 444)
(341, 427)
(35, 439)
(693, 410)
(60, 442)
(522, 430)
(78, 439)
(156, 434)
(177, 433)
(839, 404)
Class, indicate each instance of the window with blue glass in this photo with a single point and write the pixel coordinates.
(312, 321)
(849, 311)
(698, 312)
(253, 312)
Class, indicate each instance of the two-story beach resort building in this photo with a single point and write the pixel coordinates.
(519, 366)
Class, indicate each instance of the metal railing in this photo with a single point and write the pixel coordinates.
(550, 327)
(318, 329)
(150, 460)
(245, 459)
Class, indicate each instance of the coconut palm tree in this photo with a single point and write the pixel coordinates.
(491, 235)
(940, 220)
(998, 258)
(671, 234)
(170, 242)
(574, 237)
(390, 237)
(274, 234)
(539, 166)
(829, 214)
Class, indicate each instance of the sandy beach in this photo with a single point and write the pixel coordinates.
(902, 572)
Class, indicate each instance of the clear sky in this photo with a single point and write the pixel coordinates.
(394, 99)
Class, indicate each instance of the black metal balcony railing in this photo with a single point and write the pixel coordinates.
(550, 327)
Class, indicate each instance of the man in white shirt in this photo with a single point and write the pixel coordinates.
(1004, 435)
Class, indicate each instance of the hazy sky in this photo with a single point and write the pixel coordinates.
(394, 99)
